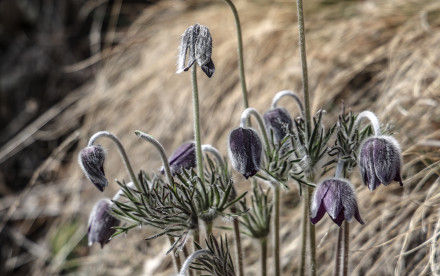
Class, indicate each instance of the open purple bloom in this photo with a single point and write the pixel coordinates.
(91, 160)
(380, 161)
(245, 150)
(101, 222)
(197, 43)
(183, 158)
(279, 122)
(336, 197)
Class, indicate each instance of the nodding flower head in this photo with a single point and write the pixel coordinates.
(245, 150)
(336, 197)
(380, 161)
(197, 42)
(279, 122)
(91, 160)
(183, 158)
(101, 222)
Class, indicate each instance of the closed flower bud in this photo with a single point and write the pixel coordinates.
(380, 161)
(101, 222)
(91, 160)
(279, 122)
(245, 150)
(183, 158)
(197, 43)
(336, 197)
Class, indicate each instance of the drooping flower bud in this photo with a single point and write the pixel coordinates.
(336, 197)
(380, 161)
(197, 42)
(279, 122)
(245, 150)
(101, 222)
(91, 160)
(183, 158)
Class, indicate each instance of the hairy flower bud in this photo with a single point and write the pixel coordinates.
(91, 160)
(183, 158)
(245, 150)
(279, 122)
(336, 197)
(101, 222)
(380, 161)
(197, 42)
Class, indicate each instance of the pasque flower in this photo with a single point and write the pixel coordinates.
(101, 222)
(182, 159)
(380, 161)
(336, 197)
(245, 150)
(91, 160)
(197, 43)
(279, 122)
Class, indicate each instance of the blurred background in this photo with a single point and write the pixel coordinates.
(73, 67)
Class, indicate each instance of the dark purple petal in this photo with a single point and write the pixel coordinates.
(317, 198)
(245, 150)
(184, 158)
(357, 215)
(332, 200)
(101, 222)
(367, 165)
(339, 218)
(91, 160)
(318, 214)
(209, 68)
(279, 122)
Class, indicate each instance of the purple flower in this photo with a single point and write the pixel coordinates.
(101, 222)
(380, 161)
(197, 42)
(91, 160)
(245, 150)
(183, 158)
(336, 197)
(279, 122)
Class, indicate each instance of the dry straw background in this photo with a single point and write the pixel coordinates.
(381, 55)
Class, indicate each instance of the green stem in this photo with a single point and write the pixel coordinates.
(176, 257)
(162, 153)
(339, 251)
(186, 255)
(312, 235)
(208, 228)
(263, 259)
(305, 223)
(346, 248)
(276, 228)
(121, 149)
(238, 251)
(240, 53)
(197, 139)
(302, 44)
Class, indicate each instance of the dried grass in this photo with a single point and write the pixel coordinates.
(378, 55)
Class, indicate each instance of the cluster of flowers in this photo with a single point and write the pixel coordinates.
(290, 150)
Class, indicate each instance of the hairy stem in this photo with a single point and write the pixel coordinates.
(346, 248)
(312, 235)
(240, 53)
(192, 258)
(238, 251)
(263, 258)
(176, 257)
(197, 139)
(339, 251)
(287, 93)
(162, 153)
(373, 120)
(304, 224)
(276, 229)
(121, 150)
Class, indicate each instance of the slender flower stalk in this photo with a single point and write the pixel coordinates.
(238, 250)
(216, 153)
(245, 118)
(121, 150)
(287, 93)
(240, 53)
(192, 258)
(263, 257)
(176, 257)
(197, 138)
(302, 44)
(373, 120)
(162, 153)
